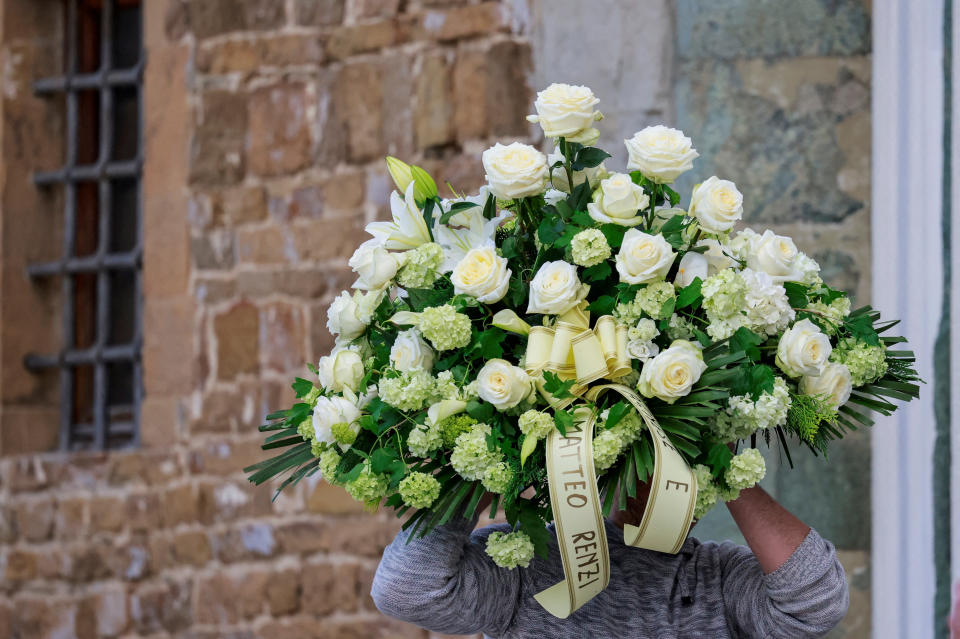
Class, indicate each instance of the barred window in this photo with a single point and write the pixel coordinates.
(99, 266)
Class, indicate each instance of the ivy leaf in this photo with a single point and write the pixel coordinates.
(796, 294)
(509, 248)
(597, 272)
(582, 218)
(563, 420)
(421, 298)
(301, 387)
(747, 341)
(564, 210)
(567, 237)
(589, 157)
(386, 461)
(718, 458)
(517, 292)
(667, 309)
(535, 528)
(456, 207)
(580, 196)
(670, 193)
(690, 295)
(861, 328)
(603, 305)
(386, 415)
(753, 381)
(555, 386)
(672, 231)
(488, 343)
(702, 337)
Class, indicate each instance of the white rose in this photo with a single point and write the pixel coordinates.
(775, 255)
(330, 411)
(503, 384)
(558, 177)
(618, 201)
(642, 349)
(717, 204)
(643, 258)
(343, 368)
(481, 274)
(555, 289)
(374, 265)
(567, 111)
(410, 352)
(803, 350)
(833, 384)
(671, 374)
(660, 153)
(692, 265)
(345, 317)
(516, 170)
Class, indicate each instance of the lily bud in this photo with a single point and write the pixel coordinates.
(400, 172)
(424, 187)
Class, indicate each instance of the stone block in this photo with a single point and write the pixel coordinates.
(35, 519)
(143, 512)
(21, 565)
(250, 55)
(282, 341)
(264, 245)
(217, 154)
(192, 547)
(330, 587)
(283, 592)
(229, 501)
(365, 9)
(107, 514)
(44, 617)
(214, 17)
(351, 40)
(104, 613)
(237, 332)
(360, 104)
(180, 505)
(147, 467)
(319, 13)
(461, 22)
(321, 340)
(160, 421)
(162, 606)
(167, 354)
(434, 111)
(280, 138)
(226, 409)
(328, 240)
(225, 457)
(231, 596)
(213, 250)
(239, 205)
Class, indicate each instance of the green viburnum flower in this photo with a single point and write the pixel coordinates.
(470, 457)
(744, 416)
(445, 327)
(724, 294)
(419, 490)
(644, 330)
(536, 424)
(446, 387)
(509, 550)
(729, 494)
(410, 391)
(707, 491)
(746, 469)
(680, 328)
(648, 300)
(833, 313)
(305, 428)
(497, 478)
(629, 428)
(312, 397)
(423, 440)
(422, 267)
(606, 449)
(368, 486)
(329, 459)
(589, 247)
(866, 363)
(317, 447)
(343, 434)
(454, 426)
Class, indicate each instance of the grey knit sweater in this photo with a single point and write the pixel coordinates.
(445, 582)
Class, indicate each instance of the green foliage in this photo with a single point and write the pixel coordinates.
(806, 416)
(746, 341)
(563, 420)
(557, 387)
(690, 295)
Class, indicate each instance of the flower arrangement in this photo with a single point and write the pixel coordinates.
(437, 393)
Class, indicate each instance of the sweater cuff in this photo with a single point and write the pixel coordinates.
(807, 564)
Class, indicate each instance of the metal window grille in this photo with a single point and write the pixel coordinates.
(99, 270)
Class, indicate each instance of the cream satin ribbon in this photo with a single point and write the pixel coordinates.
(578, 516)
(573, 350)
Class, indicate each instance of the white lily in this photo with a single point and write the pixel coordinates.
(408, 229)
(476, 232)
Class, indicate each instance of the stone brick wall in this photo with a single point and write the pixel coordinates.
(265, 126)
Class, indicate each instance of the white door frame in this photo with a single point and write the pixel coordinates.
(907, 283)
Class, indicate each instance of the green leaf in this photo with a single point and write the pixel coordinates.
(510, 248)
(550, 231)
(421, 298)
(564, 420)
(753, 380)
(747, 341)
(598, 272)
(617, 412)
(580, 196)
(566, 237)
(533, 525)
(690, 294)
(557, 387)
(603, 305)
(671, 194)
(702, 337)
(582, 218)
(480, 410)
(589, 157)
(488, 343)
(667, 309)
(456, 207)
(796, 294)
(718, 458)
(490, 208)
(302, 386)
(861, 328)
(614, 234)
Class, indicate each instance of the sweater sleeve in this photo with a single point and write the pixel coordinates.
(805, 597)
(446, 582)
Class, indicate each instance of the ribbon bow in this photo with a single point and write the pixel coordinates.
(573, 350)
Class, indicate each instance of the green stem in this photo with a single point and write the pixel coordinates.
(653, 206)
